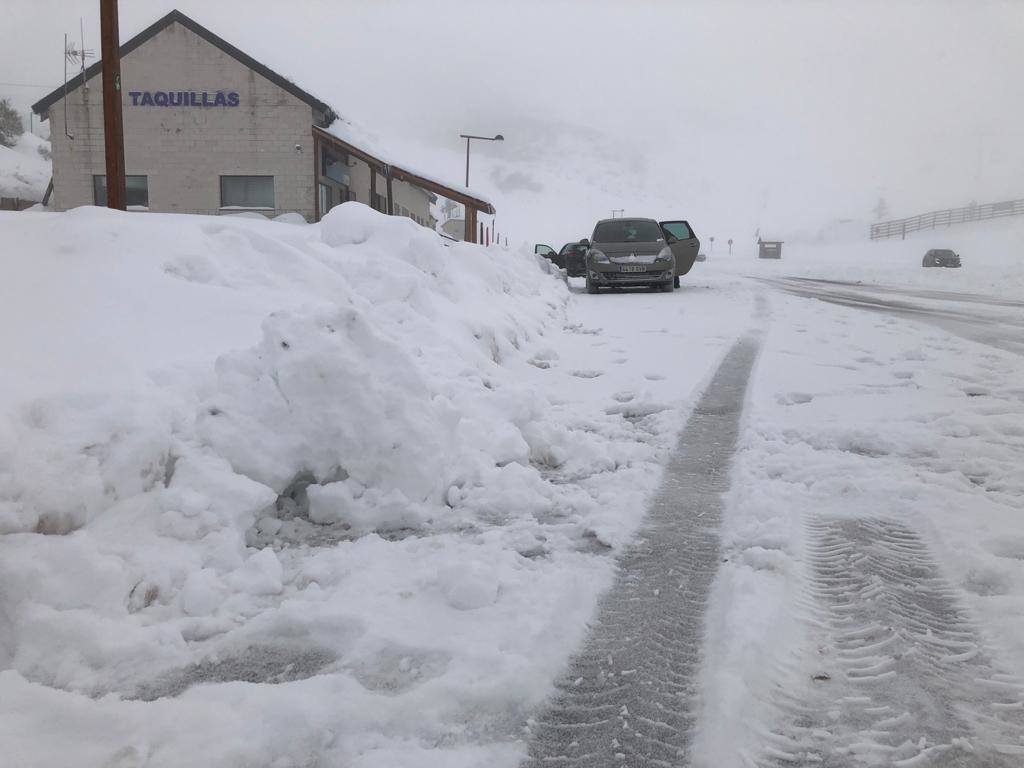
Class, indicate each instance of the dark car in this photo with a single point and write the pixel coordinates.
(571, 258)
(550, 254)
(639, 252)
(575, 257)
(941, 257)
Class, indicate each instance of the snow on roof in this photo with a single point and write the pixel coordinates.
(352, 133)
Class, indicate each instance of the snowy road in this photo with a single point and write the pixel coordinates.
(830, 629)
(990, 320)
(627, 695)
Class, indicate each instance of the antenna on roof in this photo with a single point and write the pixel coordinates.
(71, 56)
(66, 59)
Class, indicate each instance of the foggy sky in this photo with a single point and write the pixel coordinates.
(798, 111)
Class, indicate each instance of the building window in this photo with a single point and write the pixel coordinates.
(334, 166)
(246, 191)
(326, 199)
(380, 203)
(136, 189)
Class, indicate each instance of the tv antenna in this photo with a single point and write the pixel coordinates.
(74, 55)
(80, 54)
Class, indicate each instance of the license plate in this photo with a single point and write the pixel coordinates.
(633, 268)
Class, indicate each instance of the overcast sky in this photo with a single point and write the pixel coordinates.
(804, 110)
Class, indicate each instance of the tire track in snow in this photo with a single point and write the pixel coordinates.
(627, 697)
(912, 683)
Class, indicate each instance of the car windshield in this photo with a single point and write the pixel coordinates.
(627, 231)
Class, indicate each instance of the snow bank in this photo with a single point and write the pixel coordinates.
(24, 173)
(272, 491)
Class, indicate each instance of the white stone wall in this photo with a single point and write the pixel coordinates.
(185, 150)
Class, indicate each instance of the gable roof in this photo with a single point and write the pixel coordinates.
(41, 106)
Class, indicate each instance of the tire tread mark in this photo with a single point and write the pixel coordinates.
(644, 648)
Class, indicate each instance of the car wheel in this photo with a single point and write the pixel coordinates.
(668, 286)
(591, 286)
(675, 281)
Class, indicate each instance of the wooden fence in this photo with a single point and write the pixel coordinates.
(947, 218)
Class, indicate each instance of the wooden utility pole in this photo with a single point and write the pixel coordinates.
(113, 127)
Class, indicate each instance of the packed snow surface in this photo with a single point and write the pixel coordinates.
(280, 494)
(273, 494)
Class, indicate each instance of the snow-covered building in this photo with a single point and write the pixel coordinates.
(208, 129)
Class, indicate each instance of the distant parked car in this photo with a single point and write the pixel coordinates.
(702, 257)
(639, 252)
(941, 257)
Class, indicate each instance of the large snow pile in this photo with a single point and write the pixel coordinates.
(236, 453)
(24, 172)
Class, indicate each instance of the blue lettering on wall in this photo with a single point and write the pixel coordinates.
(184, 99)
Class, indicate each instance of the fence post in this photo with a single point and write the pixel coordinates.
(903, 235)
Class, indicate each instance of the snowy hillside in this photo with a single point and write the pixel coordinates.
(24, 173)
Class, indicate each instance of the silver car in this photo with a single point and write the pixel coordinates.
(639, 252)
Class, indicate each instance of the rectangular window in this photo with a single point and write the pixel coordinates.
(325, 199)
(247, 192)
(380, 203)
(136, 190)
(334, 166)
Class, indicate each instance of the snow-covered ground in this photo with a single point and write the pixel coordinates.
(281, 494)
(275, 493)
(860, 415)
(24, 172)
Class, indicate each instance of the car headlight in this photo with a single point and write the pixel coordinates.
(664, 254)
(599, 257)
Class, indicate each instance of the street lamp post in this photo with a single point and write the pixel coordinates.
(467, 137)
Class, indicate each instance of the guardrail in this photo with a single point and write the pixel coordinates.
(947, 218)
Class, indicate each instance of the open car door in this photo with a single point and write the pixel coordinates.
(683, 242)
(550, 254)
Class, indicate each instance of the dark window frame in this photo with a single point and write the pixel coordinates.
(248, 203)
(131, 196)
